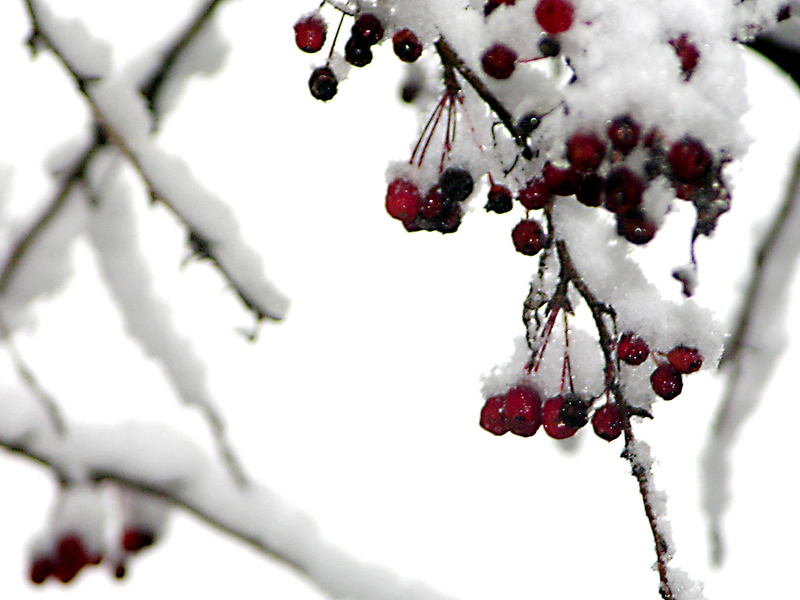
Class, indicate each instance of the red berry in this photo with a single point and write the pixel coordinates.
(403, 200)
(562, 182)
(689, 159)
(687, 53)
(624, 190)
(535, 195)
(493, 415)
(357, 52)
(685, 359)
(309, 34)
(135, 539)
(636, 227)
(607, 421)
(499, 61)
(368, 28)
(523, 407)
(554, 16)
(41, 568)
(500, 199)
(666, 381)
(433, 205)
(528, 237)
(590, 190)
(71, 558)
(624, 134)
(585, 151)
(563, 415)
(632, 350)
(322, 84)
(407, 46)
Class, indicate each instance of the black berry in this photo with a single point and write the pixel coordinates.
(357, 52)
(456, 184)
(322, 84)
(500, 199)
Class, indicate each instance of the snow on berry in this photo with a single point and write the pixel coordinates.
(309, 33)
(403, 200)
(554, 16)
(685, 359)
(607, 421)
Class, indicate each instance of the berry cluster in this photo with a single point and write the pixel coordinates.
(367, 31)
(440, 209)
(521, 411)
(667, 378)
(71, 553)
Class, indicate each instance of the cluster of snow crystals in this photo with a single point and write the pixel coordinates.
(684, 587)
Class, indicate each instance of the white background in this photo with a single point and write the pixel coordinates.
(362, 407)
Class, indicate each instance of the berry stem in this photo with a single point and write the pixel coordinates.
(336, 35)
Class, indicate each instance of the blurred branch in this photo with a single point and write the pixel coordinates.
(159, 461)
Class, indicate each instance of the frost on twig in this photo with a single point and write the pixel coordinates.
(160, 461)
(753, 353)
(112, 232)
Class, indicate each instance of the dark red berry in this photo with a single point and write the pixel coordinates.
(624, 133)
(687, 53)
(523, 407)
(119, 570)
(403, 200)
(450, 219)
(590, 190)
(624, 190)
(456, 184)
(135, 539)
(309, 34)
(559, 415)
(607, 421)
(636, 227)
(357, 52)
(632, 349)
(554, 16)
(368, 28)
(535, 195)
(322, 84)
(407, 46)
(500, 199)
(433, 204)
(562, 182)
(528, 237)
(685, 359)
(528, 124)
(41, 568)
(549, 47)
(785, 12)
(689, 159)
(666, 381)
(71, 558)
(493, 415)
(499, 61)
(585, 151)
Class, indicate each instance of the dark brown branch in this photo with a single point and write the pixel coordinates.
(451, 59)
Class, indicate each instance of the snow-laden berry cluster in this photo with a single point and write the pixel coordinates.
(592, 121)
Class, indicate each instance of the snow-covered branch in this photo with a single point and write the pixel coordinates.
(158, 460)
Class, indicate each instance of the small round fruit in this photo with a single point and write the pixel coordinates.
(368, 28)
(689, 159)
(322, 84)
(535, 195)
(500, 199)
(624, 133)
(456, 184)
(549, 47)
(632, 349)
(493, 415)
(528, 237)
(309, 34)
(403, 200)
(561, 181)
(636, 227)
(687, 53)
(624, 190)
(523, 410)
(585, 151)
(357, 52)
(553, 416)
(685, 359)
(135, 539)
(499, 61)
(666, 381)
(590, 190)
(554, 16)
(41, 569)
(607, 421)
(407, 46)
